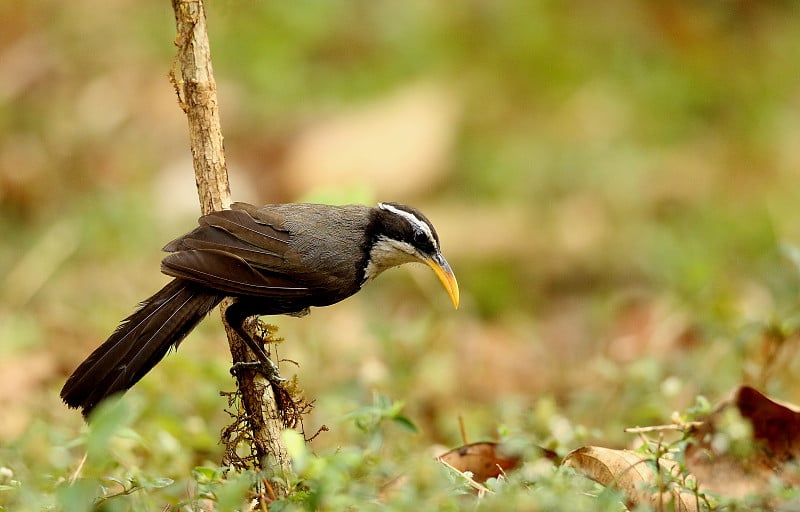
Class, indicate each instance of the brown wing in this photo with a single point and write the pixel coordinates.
(230, 274)
(234, 253)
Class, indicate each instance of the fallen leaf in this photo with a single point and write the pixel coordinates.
(633, 474)
(483, 460)
(774, 423)
(775, 447)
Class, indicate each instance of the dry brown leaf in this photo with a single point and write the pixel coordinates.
(776, 436)
(775, 423)
(483, 460)
(630, 472)
(774, 450)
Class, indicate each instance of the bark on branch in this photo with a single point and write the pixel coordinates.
(197, 94)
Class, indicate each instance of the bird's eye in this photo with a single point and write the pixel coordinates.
(420, 239)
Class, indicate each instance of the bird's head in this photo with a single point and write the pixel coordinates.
(402, 234)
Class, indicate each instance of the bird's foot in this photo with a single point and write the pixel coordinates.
(266, 368)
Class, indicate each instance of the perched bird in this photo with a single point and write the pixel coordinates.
(273, 259)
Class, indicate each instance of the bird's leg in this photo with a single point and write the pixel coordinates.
(266, 368)
(264, 365)
(237, 318)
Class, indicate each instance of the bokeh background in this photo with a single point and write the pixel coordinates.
(615, 185)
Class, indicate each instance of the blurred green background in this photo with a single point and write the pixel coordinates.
(615, 186)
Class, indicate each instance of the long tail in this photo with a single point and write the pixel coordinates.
(138, 344)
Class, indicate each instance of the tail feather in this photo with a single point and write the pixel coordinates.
(138, 344)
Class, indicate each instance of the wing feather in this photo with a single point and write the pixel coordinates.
(243, 226)
(257, 241)
(229, 273)
(255, 256)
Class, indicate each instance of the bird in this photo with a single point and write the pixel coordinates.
(276, 259)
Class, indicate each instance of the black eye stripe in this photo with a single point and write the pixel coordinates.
(412, 226)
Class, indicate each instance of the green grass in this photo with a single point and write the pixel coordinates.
(632, 169)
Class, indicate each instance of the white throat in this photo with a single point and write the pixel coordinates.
(388, 253)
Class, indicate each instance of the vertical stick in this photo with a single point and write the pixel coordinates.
(197, 93)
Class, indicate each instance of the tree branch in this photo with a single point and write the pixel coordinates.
(197, 94)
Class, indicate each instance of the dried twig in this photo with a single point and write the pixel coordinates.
(197, 95)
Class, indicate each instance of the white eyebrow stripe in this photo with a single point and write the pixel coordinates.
(413, 220)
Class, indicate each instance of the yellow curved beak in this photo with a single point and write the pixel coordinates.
(445, 274)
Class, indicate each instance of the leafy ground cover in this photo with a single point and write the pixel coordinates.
(615, 189)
